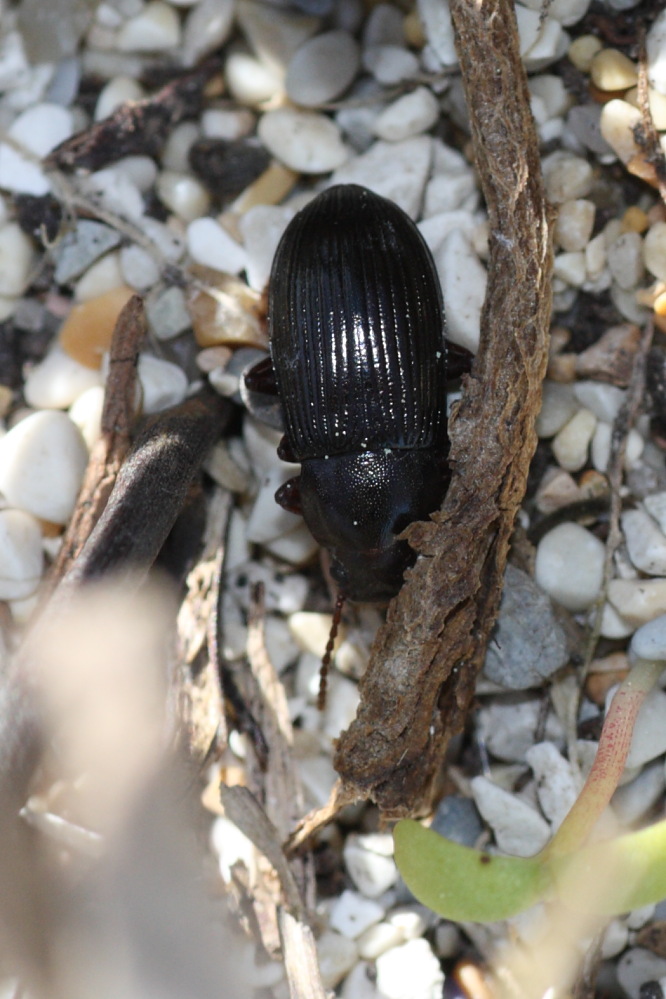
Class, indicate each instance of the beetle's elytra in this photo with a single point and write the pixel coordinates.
(357, 341)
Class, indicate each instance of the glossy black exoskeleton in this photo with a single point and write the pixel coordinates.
(357, 341)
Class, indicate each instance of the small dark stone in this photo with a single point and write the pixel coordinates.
(655, 379)
(39, 217)
(651, 990)
(227, 167)
(10, 358)
(457, 819)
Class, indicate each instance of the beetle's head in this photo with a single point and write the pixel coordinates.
(356, 505)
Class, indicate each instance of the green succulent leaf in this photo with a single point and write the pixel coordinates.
(616, 876)
(460, 883)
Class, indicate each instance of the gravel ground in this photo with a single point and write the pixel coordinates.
(160, 149)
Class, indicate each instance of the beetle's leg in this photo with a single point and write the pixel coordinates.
(285, 452)
(288, 496)
(458, 360)
(261, 377)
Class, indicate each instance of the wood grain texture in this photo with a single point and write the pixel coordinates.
(424, 662)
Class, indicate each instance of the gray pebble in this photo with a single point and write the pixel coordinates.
(458, 819)
(528, 644)
(78, 249)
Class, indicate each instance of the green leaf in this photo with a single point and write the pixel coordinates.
(616, 876)
(460, 883)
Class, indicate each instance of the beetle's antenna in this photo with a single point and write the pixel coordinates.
(328, 651)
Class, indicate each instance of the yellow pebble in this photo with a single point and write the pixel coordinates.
(86, 332)
(660, 304)
(413, 28)
(656, 103)
(610, 69)
(268, 189)
(583, 50)
(634, 220)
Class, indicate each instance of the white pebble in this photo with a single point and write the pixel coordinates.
(163, 384)
(615, 939)
(175, 155)
(648, 740)
(574, 224)
(341, 705)
(396, 170)
(337, 956)
(463, 280)
(155, 29)
(436, 19)
(571, 444)
(654, 250)
(518, 829)
(567, 177)
(225, 123)
(390, 64)
(384, 26)
(378, 939)
(410, 971)
(508, 728)
(595, 257)
(604, 400)
(303, 140)
(16, 259)
(211, 245)
(351, 914)
(625, 260)
(139, 268)
(21, 559)
(649, 641)
(39, 129)
(58, 380)
(550, 45)
(452, 184)
(183, 194)
(655, 44)
(249, 80)
(323, 68)
(570, 268)
(556, 783)
(42, 461)
(261, 228)
(633, 800)
(139, 170)
(613, 624)
(646, 544)
(360, 983)
(617, 122)
(86, 413)
(569, 566)
(116, 92)
(267, 519)
(206, 28)
(558, 405)
(167, 239)
(116, 191)
(638, 600)
(410, 115)
(551, 90)
(656, 507)
(369, 861)
(636, 967)
(601, 447)
(104, 275)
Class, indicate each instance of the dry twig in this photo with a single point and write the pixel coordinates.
(109, 451)
(424, 662)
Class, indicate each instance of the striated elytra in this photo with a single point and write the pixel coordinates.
(357, 342)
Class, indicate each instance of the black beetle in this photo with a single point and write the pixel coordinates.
(357, 341)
